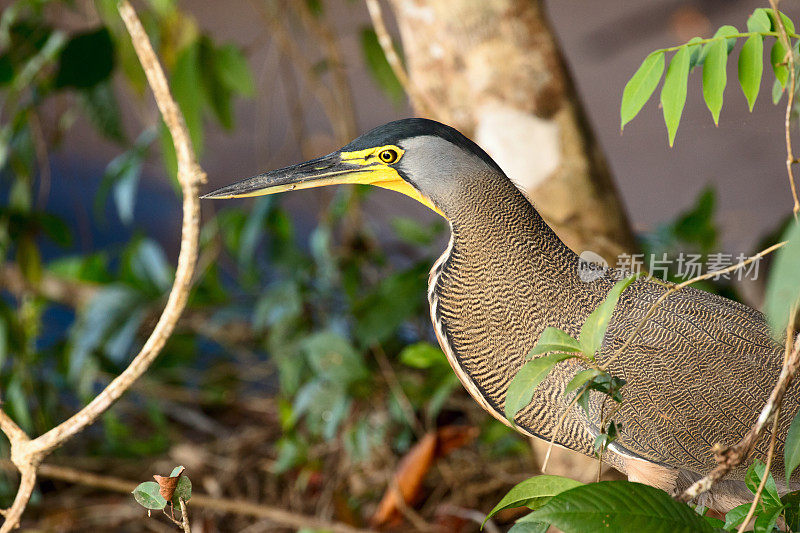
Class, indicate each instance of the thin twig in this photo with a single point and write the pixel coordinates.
(289, 47)
(184, 516)
(27, 454)
(558, 428)
(397, 390)
(274, 514)
(790, 159)
(418, 98)
(343, 92)
(762, 484)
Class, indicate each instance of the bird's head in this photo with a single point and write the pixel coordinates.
(421, 158)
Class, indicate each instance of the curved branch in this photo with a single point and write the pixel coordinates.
(28, 454)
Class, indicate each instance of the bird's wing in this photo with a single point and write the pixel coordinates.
(698, 373)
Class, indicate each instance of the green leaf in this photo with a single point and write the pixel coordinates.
(421, 355)
(187, 89)
(379, 68)
(783, 285)
(751, 68)
(777, 91)
(414, 232)
(735, 516)
(723, 31)
(765, 521)
(641, 85)
(555, 340)
(787, 22)
(715, 76)
(527, 525)
(755, 473)
(594, 329)
(147, 495)
(777, 56)
(86, 60)
(150, 264)
(183, 489)
(520, 390)
(533, 493)
(673, 93)
(791, 450)
(581, 378)
(334, 359)
(101, 107)
(791, 502)
(619, 506)
(759, 21)
(29, 260)
(217, 95)
(696, 52)
(233, 70)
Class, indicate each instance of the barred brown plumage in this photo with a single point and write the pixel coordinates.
(697, 373)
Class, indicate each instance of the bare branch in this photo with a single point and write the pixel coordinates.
(790, 159)
(28, 454)
(274, 514)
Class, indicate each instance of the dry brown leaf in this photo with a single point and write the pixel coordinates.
(167, 485)
(412, 469)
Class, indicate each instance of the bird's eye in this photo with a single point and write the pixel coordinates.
(388, 156)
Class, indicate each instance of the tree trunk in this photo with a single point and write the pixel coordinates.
(493, 70)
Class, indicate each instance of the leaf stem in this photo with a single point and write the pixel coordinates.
(731, 36)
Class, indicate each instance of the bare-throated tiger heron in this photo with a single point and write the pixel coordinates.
(697, 374)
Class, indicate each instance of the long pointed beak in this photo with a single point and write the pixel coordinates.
(325, 170)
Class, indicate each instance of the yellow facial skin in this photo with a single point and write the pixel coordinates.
(375, 171)
(383, 175)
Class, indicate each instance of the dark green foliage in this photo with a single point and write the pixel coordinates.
(619, 506)
(379, 67)
(86, 60)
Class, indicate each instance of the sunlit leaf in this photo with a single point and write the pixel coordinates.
(673, 93)
(533, 493)
(525, 381)
(736, 516)
(641, 85)
(581, 378)
(594, 329)
(555, 340)
(421, 355)
(715, 76)
(759, 21)
(751, 67)
(755, 473)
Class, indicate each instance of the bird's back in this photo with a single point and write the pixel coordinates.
(698, 373)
